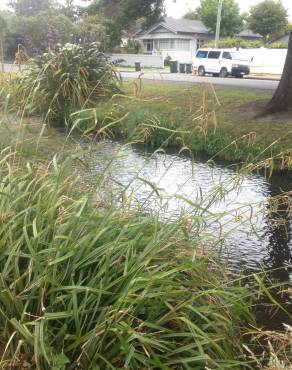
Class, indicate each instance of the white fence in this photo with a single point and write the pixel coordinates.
(267, 61)
(264, 61)
(9, 67)
(154, 61)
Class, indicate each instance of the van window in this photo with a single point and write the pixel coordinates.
(214, 54)
(202, 54)
(226, 55)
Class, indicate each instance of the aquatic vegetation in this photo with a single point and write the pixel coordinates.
(106, 289)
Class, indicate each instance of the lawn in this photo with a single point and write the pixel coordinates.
(220, 123)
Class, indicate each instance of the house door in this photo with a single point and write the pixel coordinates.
(148, 46)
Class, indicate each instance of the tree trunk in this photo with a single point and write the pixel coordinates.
(282, 99)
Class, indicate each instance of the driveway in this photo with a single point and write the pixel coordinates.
(250, 84)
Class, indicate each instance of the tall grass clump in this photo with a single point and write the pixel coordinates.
(63, 81)
(87, 288)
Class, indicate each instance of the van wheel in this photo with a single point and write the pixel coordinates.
(223, 73)
(201, 71)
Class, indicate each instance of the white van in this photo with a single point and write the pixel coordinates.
(221, 62)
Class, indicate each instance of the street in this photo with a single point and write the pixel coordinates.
(249, 84)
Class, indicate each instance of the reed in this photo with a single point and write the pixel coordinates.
(106, 289)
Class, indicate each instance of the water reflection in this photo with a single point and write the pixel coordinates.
(279, 235)
(233, 206)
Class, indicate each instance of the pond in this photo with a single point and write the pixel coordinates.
(231, 211)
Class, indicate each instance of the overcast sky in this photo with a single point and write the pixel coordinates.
(177, 8)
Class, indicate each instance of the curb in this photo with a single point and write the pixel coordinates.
(263, 78)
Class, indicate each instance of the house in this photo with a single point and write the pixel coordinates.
(249, 35)
(179, 38)
(282, 39)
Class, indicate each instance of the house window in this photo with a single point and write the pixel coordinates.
(164, 44)
(183, 44)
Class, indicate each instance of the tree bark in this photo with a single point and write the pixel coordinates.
(282, 99)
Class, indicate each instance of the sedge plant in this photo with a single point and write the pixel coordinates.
(65, 80)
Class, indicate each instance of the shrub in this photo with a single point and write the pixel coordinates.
(63, 81)
(278, 45)
(133, 47)
(167, 61)
(235, 43)
(240, 43)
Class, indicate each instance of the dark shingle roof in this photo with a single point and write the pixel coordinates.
(282, 39)
(249, 33)
(180, 25)
(185, 25)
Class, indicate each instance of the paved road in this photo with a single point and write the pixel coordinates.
(259, 85)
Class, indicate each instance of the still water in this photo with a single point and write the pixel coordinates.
(230, 211)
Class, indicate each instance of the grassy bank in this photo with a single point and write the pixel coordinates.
(198, 119)
(193, 119)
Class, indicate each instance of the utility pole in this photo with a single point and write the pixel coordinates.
(217, 36)
(2, 54)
